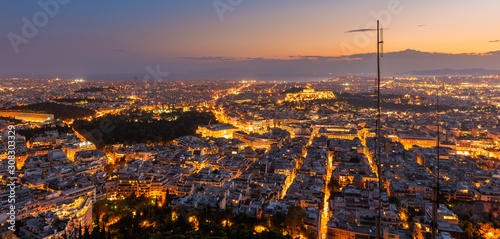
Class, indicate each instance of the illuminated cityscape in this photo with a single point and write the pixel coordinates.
(261, 152)
(261, 128)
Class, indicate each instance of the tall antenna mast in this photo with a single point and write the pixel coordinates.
(380, 43)
(435, 203)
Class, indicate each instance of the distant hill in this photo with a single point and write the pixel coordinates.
(452, 72)
(95, 89)
(293, 90)
(77, 100)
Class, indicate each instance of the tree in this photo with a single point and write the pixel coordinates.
(334, 185)
(354, 160)
(99, 209)
(294, 221)
(110, 168)
(487, 231)
(80, 231)
(86, 235)
(393, 200)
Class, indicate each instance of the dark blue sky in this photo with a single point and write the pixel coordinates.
(264, 36)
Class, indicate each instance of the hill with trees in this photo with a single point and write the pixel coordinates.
(132, 129)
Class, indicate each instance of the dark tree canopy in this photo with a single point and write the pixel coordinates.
(144, 129)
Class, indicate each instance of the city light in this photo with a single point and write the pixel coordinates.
(250, 119)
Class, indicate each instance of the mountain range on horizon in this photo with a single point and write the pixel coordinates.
(293, 68)
(452, 72)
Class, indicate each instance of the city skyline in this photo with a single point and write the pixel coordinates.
(250, 159)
